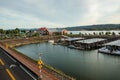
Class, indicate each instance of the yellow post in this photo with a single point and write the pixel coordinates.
(40, 66)
(6, 45)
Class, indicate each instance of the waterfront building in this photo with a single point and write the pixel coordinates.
(89, 44)
(52, 31)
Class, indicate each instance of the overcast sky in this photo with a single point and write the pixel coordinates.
(57, 13)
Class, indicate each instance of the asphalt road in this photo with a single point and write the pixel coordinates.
(10, 69)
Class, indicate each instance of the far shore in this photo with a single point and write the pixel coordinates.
(31, 40)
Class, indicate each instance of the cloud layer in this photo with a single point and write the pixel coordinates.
(57, 13)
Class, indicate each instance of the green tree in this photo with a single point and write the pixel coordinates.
(1, 31)
(100, 33)
(107, 33)
(113, 33)
(94, 33)
(70, 32)
(16, 31)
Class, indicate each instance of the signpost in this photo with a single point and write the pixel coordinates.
(40, 66)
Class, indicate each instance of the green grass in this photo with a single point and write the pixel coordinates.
(58, 71)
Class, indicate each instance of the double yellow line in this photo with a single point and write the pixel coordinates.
(2, 62)
(10, 74)
(8, 71)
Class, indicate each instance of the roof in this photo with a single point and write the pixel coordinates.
(43, 28)
(89, 41)
(115, 43)
(74, 39)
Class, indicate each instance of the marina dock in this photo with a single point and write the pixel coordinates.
(111, 48)
(89, 44)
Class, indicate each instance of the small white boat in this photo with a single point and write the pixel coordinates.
(104, 50)
(51, 41)
(107, 51)
(54, 43)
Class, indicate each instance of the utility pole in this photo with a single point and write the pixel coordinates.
(40, 66)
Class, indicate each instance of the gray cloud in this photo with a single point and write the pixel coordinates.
(60, 12)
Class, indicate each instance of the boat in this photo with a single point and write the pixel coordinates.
(51, 41)
(111, 48)
(107, 51)
(71, 47)
(54, 43)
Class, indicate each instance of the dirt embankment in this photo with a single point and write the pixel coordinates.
(23, 41)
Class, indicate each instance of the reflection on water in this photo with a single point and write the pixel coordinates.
(84, 65)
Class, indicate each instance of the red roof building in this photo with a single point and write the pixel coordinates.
(52, 31)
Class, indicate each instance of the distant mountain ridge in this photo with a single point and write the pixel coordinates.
(95, 27)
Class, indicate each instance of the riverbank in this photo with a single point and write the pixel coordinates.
(29, 40)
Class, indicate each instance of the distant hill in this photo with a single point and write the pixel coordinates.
(95, 27)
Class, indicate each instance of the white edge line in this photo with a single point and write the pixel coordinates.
(27, 72)
(20, 65)
(9, 56)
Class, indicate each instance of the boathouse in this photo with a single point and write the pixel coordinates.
(72, 40)
(89, 44)
(111, 48)
(114, 45)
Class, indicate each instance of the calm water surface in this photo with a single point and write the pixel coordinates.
(83, 65)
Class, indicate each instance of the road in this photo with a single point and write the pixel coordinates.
(10, 69)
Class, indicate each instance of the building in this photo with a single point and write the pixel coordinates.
(52, 31)
(89, 44)
(64, 31)
(43, 31)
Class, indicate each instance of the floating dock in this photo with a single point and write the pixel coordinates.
(72, 40)
(111, 48)
(89, 44)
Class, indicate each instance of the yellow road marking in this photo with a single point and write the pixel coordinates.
(2, 62)
(10, 74)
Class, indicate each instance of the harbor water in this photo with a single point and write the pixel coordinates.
(83, 65)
